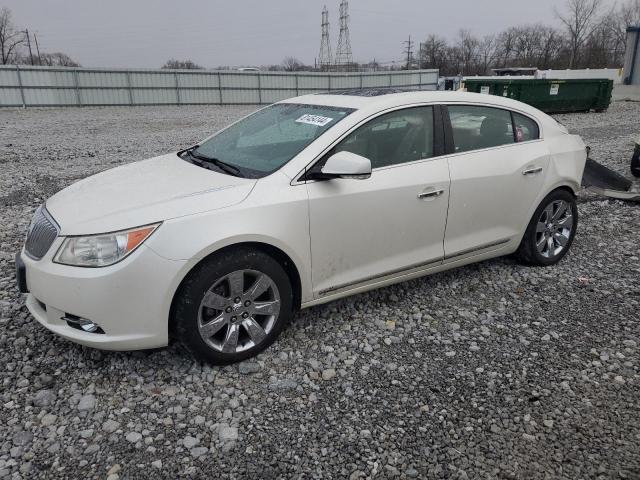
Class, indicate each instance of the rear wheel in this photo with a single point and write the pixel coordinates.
(233, 306)
(551, 230)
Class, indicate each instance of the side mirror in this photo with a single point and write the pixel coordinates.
(346, 165)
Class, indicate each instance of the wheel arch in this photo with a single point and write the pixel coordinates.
(524, 251)
(285, 260)
(568, 187)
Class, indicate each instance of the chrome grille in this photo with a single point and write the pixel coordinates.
(41, 234)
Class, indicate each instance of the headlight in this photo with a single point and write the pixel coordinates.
(104, 249)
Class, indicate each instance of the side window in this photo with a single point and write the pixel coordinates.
(397, 137)
(526, 129)
(475, 127)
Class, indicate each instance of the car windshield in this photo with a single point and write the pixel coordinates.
(263, 142)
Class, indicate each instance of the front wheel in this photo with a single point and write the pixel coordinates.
(551, 230)
(233, 306)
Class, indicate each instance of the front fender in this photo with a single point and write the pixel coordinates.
(284, 226)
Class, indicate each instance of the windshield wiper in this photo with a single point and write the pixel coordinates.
(224, 166)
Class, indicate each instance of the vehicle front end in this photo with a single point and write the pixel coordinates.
(86, 267)
(102, 291)
(105, 258)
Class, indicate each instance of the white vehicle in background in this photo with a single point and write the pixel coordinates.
(303, 202)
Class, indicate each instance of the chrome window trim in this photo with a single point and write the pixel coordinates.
(297, 178)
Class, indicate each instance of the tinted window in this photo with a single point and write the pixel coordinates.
(266, 140)
(396, 137)
(526, 129)
(480, 127)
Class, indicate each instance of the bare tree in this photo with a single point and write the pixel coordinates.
(629, 13)
(551, 43)
(626, 15)
(291, 64)
(181, 65)
(580, 19)
(58, 59)
(506, 46)
(467, 49)
(10, 38)
(487, 53)
(434, 53)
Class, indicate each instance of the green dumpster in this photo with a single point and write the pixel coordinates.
(548, 95)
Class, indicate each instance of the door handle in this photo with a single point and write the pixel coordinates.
(532, 171)
(430, 194)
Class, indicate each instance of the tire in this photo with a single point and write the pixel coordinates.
(242, 295)
(551, 230)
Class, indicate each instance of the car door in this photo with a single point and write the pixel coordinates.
(497, 172)
(391, 222)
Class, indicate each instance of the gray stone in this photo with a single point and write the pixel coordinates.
(44, 398)
(248, 367)
(190, 442)
(110, 426)
(133, 437)
(87, 402)
(198, 451)
(48, 420)
(227, 433)
(328, 374)
(22, 438)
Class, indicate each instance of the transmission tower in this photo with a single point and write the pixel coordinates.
(344, 57)
(325, 44)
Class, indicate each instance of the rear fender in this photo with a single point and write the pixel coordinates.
(567, 161)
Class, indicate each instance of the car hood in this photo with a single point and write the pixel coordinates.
(143, 192)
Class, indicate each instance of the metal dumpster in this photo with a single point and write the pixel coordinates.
(548, 95)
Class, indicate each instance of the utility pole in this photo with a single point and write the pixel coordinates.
(37, 49)
(26, 32)
(420, 56)
(409, 51)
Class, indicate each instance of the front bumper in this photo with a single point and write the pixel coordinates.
(21, 275)
(130, 300)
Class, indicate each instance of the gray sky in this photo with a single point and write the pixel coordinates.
(145, 33)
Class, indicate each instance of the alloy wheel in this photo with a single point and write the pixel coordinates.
(554, 228)
(238, 311)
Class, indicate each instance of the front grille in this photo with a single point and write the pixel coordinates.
(42, 232)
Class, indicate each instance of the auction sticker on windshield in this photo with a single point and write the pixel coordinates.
(318, 120)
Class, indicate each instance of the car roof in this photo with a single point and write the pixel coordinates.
(373, 100)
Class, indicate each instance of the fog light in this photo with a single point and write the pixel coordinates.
(83, 324)
(89, 327)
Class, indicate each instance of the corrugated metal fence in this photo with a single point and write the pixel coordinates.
(31, 86)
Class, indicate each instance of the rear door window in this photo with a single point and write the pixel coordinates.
(526, 128)
(475, 127)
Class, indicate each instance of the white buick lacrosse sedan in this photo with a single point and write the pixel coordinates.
(302, 202)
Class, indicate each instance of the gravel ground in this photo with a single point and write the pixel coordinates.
(490, 371)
